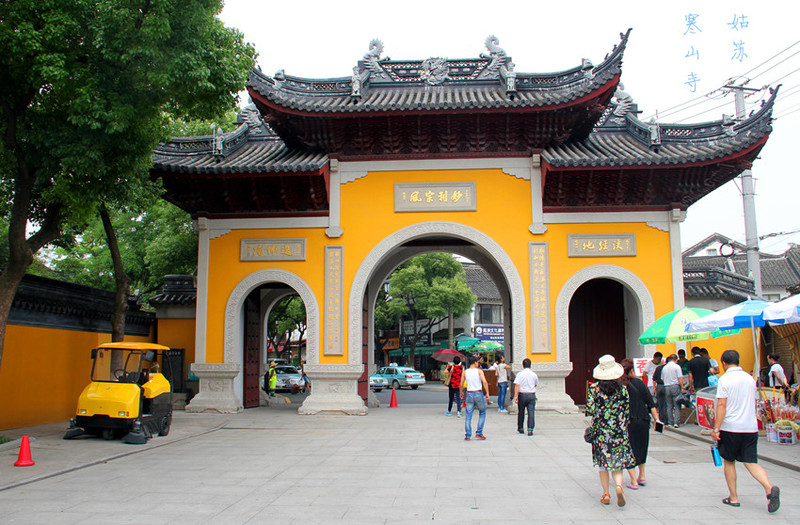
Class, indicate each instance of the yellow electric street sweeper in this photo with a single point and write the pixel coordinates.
(127, 397)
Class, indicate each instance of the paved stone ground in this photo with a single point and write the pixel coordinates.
(402, 465)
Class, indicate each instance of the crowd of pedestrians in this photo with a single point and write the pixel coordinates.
(623, 409)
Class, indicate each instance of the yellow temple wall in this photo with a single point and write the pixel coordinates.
(368, 216)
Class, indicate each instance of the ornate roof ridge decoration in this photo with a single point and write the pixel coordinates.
(486, 82)
(630, 141)
(251, 127)
(252, 147)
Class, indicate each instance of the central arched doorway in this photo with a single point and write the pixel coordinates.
(429, 237)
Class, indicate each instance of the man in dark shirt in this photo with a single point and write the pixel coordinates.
(661, 393)
(699, 367)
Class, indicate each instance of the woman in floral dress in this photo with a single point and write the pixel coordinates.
(608, 405)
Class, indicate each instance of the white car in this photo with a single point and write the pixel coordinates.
(377, 383)
(400, 376)
(288, 376)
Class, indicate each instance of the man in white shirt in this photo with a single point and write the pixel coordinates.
(672, 375)
(736, 429)
(525, 395)
(777, 376)
(649, 368)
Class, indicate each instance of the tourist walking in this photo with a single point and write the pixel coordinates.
(501, 369)
(476, 385)
(736, 430)
(608, 404)
(525, 396)
(672, 376)
(642, 408)
(455, 372)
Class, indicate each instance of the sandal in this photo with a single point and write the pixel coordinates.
(643, 482)
(632, 486)
(606, 499)
(620, 496)
(727, 501)
(774, 499)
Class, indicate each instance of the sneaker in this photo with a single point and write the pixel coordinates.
(530, 432)
(448, 413)
(458, 415)
(480, 436)
(466, 438)
(504, 411)
(520, 431)
(675, 426)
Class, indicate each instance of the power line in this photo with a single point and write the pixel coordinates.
(770, 58)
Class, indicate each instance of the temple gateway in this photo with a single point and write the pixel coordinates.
(549, 181)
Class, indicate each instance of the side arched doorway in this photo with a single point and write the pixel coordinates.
(596, 328)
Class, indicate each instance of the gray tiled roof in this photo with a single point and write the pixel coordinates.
(251, 148)
(621, 139)
(489, 82)
(480, 283)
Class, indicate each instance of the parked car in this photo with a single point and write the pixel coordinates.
(400, 376)
(378, 383)
(288, 376)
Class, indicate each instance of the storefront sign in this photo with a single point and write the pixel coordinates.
(434, 196)
(273, 250)
(334, 322)
(600, 245)
(490, 332)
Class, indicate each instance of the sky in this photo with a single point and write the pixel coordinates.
(678, 57)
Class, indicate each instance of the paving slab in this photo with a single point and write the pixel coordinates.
(396, 465)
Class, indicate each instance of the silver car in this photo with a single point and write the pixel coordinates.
(288, 376)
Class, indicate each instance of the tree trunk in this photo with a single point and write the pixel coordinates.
(21, 248)
(121, 279)
(450, 329)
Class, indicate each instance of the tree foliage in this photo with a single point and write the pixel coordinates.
(428, 288)
(286, 317)
(85, 90)
(157, 241)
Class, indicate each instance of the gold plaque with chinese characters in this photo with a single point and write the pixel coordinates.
(540, 297)
(601, 245)
(334, 298)
(273, 250)
(434, 196)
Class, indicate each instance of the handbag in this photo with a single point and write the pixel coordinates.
(588, 435)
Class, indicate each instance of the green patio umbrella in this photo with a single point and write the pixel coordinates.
(671, 328)
(488, 346)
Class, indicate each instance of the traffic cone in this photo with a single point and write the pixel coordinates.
(25, 459)
(393, 402)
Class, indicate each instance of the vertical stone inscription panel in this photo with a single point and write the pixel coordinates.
(334, 297)
(540, 297)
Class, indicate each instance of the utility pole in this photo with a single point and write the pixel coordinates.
(748, 201)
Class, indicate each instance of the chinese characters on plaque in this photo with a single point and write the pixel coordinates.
(273, 250)
(611, 245)
(540, 298)
(434, 196)
(334, 322)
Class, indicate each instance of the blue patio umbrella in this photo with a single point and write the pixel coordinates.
(747, 314)
(786, 311)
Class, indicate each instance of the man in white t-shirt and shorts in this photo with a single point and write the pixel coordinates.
(736, 429)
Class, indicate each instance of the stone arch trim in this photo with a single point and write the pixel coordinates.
(599, 271)
(378, 254)
(233, 327)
